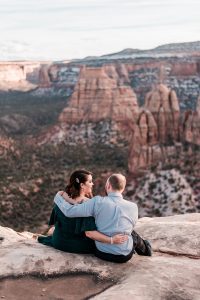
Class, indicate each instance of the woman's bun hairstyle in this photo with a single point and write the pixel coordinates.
(73, 188)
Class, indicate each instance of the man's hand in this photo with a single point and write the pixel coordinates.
(119, 238)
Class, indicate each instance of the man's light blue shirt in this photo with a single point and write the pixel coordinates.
(112, 215)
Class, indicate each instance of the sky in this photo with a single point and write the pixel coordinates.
(67, 29)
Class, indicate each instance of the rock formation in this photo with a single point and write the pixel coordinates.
(143, 144)
(157, 129)
(191, 126)
(171, 273)
(173, 66)
(98, 96)
(101, 109)
(14, 76)
(163, 104)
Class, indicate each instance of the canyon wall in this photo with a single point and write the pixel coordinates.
(104, 109)
(145, 102)
(180, 71)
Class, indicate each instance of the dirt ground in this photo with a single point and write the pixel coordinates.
(70, 287)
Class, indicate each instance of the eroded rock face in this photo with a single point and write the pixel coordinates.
(161, 130)
(101, 109)
(143, 143)
(99, 96)
(14, 76)
(163, 104)
(191, 126)
(157, 129)
(177, 68)
(39, 78)
(171, 273)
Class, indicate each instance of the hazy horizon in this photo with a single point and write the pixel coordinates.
(75, 29)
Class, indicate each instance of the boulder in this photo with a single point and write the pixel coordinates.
(171, 273)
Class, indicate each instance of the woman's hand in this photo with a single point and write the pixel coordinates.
(119, 238)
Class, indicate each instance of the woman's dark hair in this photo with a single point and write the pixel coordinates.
(73, 188)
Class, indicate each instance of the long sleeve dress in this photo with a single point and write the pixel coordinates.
(69, 234)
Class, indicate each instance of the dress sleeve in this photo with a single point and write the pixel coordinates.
(53, 218)
(88, 224)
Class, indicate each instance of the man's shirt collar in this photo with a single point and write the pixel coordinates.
(115, 194)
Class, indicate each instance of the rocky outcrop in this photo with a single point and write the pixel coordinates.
(171, 273)
(157, 130)
(99, 95)
(39, 78)
(143, 144)
(14, 76)
(164, 105)
(161, 129)
(191, 126)
(102, 109)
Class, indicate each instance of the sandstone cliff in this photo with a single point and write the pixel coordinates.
(175, 66)
(164, 105)
(191, 126)
(39, 78)
(171, 273)
(157, 130)
(100, 95)
(101, 109)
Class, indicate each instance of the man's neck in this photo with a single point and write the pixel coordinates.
(114, 192)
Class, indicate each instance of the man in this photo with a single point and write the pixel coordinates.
(112, 215)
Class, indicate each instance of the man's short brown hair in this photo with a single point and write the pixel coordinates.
(117, 181)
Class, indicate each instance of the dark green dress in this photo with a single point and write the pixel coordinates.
(69, 233)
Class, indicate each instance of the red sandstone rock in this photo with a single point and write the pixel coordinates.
(98, 96)
(157, 126)
(191, 126)
(184, 69)
(144, 138)
(164, 106)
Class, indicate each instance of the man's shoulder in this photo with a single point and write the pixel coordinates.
(128, 202)
(98, 198)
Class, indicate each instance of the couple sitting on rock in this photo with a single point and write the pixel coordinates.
(99, 225)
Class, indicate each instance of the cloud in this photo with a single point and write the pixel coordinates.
(66, 29)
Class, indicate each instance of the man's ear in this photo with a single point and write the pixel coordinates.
(108, 185)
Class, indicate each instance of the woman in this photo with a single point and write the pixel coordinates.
(77, 235)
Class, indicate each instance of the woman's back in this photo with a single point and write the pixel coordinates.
(69, 233)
